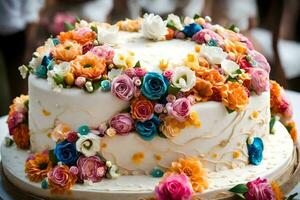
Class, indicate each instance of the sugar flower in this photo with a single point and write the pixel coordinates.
(191, 29)
(66, 51)
(122, 87)
(148, 129)
(183, 78)
(141, 109)
(193, 169)
(91, 168)
(113, 73)
(105, 52)
(260, 60)
(214, 55)
(259, 80)
(60, 132)
(38, 166)
(62, 69)
(174, 187)
(88, 144)
(122, 123)
(153, 27)
(61, 179)
(81, 35)
(180, 108)
(230, 67)
(206, 35)
(89, 66)
(175, 21)
(108, 35)
(66, 152)
(124, 59)
(21, 136)
(154, 86)
(130, 25)
(255, 150)
(259, 189)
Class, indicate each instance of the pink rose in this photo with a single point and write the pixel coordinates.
(244, 64)
(259, 80)
(87, 47)
(285, 107)
(59, 22)
(91, 168)
(14, 119)
(60, 175)
(205, 35)
(130, 72)
(260, 60)
(246, 41)
(174, 187)
(168, 74)
(180, 108)
(104, 51)
(139, 72)
(259, 189)
(122, 87)
(122, 123)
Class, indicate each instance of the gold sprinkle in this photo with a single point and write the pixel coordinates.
(157, 157)
(103, 145)
(191, 57)
(236, 154)
(214, 155)
(137, 158)
(197, 48)
(223, 143)
(49, 135)
(239, 144)
(254, 115)
(46, 113)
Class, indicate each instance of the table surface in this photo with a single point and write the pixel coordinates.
(293, 96)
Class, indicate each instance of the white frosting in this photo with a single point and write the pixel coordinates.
(278, 164)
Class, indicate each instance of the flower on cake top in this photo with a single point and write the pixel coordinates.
(180, 109)
(183, 78)
(214, 55)
(191, 29)
(66, 51)
(174, 187)
(122, 87)
(205, 36)
(81, 35)
(108, 35)
(104, 51)
(124, 59)
(174, 21)
(142, 109)
(153, 27)
(154, 86)
(37, 166)
(148, 129)
(259, 80)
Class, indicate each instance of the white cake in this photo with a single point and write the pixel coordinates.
(145, 98)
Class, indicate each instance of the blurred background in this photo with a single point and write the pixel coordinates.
(272, 25)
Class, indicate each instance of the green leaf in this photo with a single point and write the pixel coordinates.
(52, 157)
(96, 85)
(288, 128)
(69, 26)
(238, 71)
(137, 64)
(271, 123)
(126, 110)
(171, 25)
(173, 90)
(292, 196)
(26, 104)
(78, 19)
(160, 134)
(196, 16)
(232, 27)
(59, 80)
(239, 189)
(94, 28)
(231, 79)
(229, 110)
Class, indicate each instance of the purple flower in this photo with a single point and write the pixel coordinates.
(122, 123)
(122, 87)
(259, 80)
(259, 189)
(205, 35)
(91, 168)
(180, 108)
(174, 187)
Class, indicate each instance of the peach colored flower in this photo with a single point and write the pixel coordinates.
(236, 96)
(66, 51)
(60, 132)
(88, 66)
(235, 47)
(130, 25)
(203, 88)
(211, 75)
(291, 126)
(142, 109)
(38, 167)
(21, 136)
(203, 62)
(277, 192)
(81, 35)
(192, 168)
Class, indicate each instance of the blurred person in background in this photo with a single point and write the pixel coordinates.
(17, 24)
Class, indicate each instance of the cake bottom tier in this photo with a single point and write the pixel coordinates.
(278, 164)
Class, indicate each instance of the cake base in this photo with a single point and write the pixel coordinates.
(281, 163)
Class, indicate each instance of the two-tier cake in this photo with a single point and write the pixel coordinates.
(171, 109)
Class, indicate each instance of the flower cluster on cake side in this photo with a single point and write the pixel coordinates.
(222, 67)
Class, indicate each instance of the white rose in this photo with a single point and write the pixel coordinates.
(183, 78)
(214, 55)
(108, 35)
(175, 20)
(124, 59)
(88, 144)
(188, 20)
(55, 87)
(230, 67)
(35, 61)
(62, 69)
(153, 27)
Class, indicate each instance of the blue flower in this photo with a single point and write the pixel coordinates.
(154, 86)
(255, 150)
(66, 152)
(42, 69)
(148, 129)
(191, 29)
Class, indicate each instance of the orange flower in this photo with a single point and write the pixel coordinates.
(235, 47)
(82, 36)
(291, 127)
(141, 109)
(38, 167)
(60, 179)
(236, 97)
(67, 51)
(211, 75)
(203, 62)
(193, 169)
(170, 34)
(130, 25)
(277, 191)
(89, 66)
(275, 96)
(21, 136)
(203, 88)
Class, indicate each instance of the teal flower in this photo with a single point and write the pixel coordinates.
(255, 150)
(154, 86)
(148, 129)
(42, 69)
(191, 29)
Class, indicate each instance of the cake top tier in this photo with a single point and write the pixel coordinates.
(193, 57)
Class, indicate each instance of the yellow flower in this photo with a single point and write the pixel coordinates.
(193, 169)
(277, 191)
(192, 61)
(236, 97)
(130, 25)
